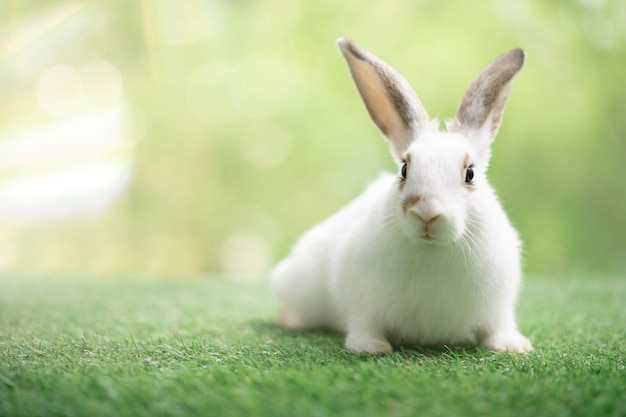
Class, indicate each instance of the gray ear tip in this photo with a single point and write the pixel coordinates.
(519, 55)
(342, 41)
(344, 44)
(349, 48)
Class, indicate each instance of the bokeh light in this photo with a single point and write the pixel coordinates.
(245, 255)
(265, 145)
(261, 86)
(102, 82)
(59, 90)
(65, 167)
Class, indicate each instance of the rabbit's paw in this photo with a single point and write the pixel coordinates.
(512, 341)
(291, 320)
(364, 344)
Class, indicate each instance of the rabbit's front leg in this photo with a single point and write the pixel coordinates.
(504, 340)
(364, 337)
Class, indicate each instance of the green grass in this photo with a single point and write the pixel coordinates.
(80, 347)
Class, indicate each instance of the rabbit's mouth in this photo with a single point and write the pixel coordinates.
(439, 235)
(426, 228)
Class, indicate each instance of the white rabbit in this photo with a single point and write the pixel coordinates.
(426, 256)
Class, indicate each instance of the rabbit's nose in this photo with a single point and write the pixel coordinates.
(428, 219)
(428, 210)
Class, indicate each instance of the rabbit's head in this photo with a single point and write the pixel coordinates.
(442, 180)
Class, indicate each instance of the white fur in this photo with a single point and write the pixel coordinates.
(367, 270)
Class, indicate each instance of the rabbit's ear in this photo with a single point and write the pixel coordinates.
(480, 112)
(391, 102)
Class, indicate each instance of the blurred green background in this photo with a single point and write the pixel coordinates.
(184, 137)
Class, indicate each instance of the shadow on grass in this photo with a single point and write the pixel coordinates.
(332, 343)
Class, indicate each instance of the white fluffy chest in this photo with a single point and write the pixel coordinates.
(430, 301)
(430, 309)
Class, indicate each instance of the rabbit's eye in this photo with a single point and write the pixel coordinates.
(469, 174)
(403, 171)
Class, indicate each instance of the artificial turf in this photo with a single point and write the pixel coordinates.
(207, 347)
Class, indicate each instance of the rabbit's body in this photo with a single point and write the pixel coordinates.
(415, 259)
